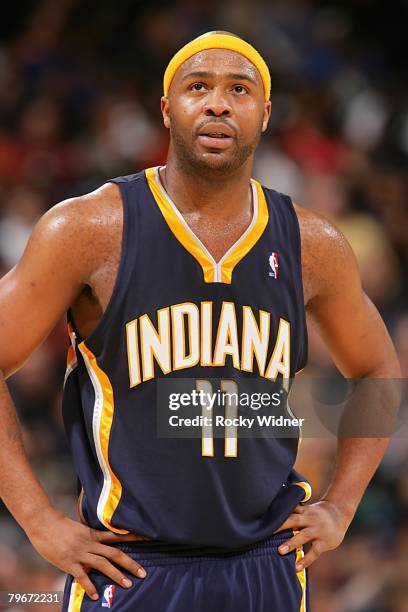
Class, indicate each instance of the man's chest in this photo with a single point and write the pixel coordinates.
(218, 236)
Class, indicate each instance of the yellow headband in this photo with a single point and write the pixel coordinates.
(218, 41)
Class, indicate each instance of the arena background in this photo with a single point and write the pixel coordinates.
(80, 84)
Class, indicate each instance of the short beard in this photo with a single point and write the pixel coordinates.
(208, 168)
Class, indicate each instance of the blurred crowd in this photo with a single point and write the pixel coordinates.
(80, 84)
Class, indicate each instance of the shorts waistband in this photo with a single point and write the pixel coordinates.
(268, 546)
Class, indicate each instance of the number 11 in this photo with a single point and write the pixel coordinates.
(231, 412)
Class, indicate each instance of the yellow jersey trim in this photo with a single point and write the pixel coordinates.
(76, 597)
(71, 354)
(177, 226)
(104, 408)
(212, 271)
(248, 240)
(307, 489)
(301, 576)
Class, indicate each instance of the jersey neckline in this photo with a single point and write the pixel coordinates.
(213, 271)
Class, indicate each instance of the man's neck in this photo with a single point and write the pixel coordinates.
(216, 196)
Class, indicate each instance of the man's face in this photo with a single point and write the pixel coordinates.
(215, 111)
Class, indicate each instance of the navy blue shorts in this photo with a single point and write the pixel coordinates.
(257, 580)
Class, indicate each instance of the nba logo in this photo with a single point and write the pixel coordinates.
(108, 594)
(273, 264)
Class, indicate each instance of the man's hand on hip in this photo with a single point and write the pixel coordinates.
(76, 549)
(320, 524)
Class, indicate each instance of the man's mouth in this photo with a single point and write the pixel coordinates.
(214, 142)
(215, 137)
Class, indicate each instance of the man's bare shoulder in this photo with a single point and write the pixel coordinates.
(86, 229)
(325, 253)
(87, 214)
(71, 257)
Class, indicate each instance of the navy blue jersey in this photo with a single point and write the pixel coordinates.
(174, 314)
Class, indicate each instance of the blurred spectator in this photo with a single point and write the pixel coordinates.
(22, 208)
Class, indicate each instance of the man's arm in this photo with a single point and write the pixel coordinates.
(61, 258)
(361, 348)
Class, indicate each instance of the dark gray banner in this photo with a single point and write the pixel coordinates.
(251, 408)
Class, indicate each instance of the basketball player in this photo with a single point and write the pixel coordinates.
(191, 270)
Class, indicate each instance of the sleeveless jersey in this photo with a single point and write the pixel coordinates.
(176, 314)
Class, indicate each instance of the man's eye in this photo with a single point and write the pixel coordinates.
(240, 89)
(197, 86)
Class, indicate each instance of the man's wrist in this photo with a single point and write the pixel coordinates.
(345, 509)
(39, 520)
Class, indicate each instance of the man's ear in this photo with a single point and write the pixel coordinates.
(164, 106)
(267, 114)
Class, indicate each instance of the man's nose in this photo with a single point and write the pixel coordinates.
(216, 104)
